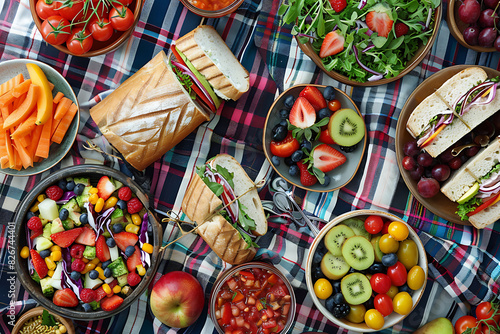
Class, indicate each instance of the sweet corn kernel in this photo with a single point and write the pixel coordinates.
(41, 197)
(55, 248)
(55, 256)
(99, 205)
(88, 267)
(101, 273)
(25, 252)
(93, 190)
(62, 329)
(141, 270)
(50, 264)
(136, 219)
(117, 289)
(148, 248)
(106, 288)
(50, 273)
(84, 259)
(132, 228)
(95, 261)
(111, 202)
(93, 198)
(34, 208)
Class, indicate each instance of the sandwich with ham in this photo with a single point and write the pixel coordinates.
(227, 225)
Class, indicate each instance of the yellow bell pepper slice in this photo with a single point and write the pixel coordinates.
(45, 103)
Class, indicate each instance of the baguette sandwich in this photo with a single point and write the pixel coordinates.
(476, 187)
(230, 230)
(458, 106)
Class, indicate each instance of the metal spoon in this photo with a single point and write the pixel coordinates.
(287, 204)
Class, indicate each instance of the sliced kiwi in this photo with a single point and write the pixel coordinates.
(358, 227)
(334, 267)
(358, 252)
(336, 237)
(376, 248)
(356, 288)
(346, 127)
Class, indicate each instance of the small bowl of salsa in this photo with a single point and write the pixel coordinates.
(252, 298)
(212, 8)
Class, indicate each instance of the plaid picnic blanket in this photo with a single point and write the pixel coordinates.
(464, 264)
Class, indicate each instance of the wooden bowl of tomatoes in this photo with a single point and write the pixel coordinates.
(86, 28)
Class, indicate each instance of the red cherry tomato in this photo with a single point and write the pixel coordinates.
(385, 229)
(101, 30)
(334, 105)
(383, 304)
(467, 321)
(397, 273)
(96, 9)
(286, 147)
(125, 2)
(374, 224)
(72, 10)
(485, 311)
(80, 41)
(381, 283)
(47, 8)
(121, 18)
(55, 30)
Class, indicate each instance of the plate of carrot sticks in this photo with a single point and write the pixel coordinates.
(39, 117)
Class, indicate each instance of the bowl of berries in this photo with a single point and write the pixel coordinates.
(87, 243)
(315, 137)
(366, 270)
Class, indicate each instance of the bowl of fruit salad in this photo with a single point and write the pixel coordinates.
(366, 270)
(315, 137)
(254, 297)
(87, 242)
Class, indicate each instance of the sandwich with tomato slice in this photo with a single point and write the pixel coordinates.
(476, 187)
(224, 203)
(461, 103)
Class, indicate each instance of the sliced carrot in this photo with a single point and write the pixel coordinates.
(7, 98)
(17, 160)
(36, 159)
(10, 149)
(25, 128)
(26, 160)
(19, 101)
(62, 108)
(24, 110)
(64, 124)
(6, 111)
(21, 88)
(11, 83)
(43, 147)
(3, 150)
(23, 140)
(51, 85)
(434, 135)
(58, 97)
(4, 162)
(35, 138)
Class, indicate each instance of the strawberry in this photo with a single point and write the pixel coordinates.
(88, 295)
(306, 178)
(111, 303)
(326, 158)
(39, 264)
(302, 114)
(102, 250)
(36, 233)
(401, 29)
(54, 192)
(125, 239)
(133, 278)
(338, 5)
(332, 44)
(105, 187)
(65, 298)
(324, 137)
(100, 294)
(125, 193)
(87, 237)
(314, 96)
(35, 223)
(134, 260)
(66, 238)
(379, 21)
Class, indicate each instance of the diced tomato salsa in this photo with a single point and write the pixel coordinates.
(253, 301)
(211, 4)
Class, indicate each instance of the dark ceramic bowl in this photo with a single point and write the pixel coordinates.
(93, 172)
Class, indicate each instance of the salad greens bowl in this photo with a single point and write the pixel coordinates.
(364, 42)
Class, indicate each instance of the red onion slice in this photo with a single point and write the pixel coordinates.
(363, 66)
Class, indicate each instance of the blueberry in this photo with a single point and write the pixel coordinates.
(106, 264)
(111, 242)
(45, 253)
(107, 272)
(78, 190)
(323, 113)
(369, 304)
(317, 258)
(62, 184)
(293, 170)
(84, 219)
(329, 304)
(338, 298)
(348, 149)
(122, 205)
(405, 288)
(297, 156)
(341, 310)
(284, 114)
(389, 259)
(376, 268)
(93, 274)
(275, 160)
(117, 228)
(87, 307)
(306, 144)
(336, 286)
(317, 274)
(75, 275)
(129, 250)
(289, 101)
(63, 214)
(70, 185)
(283, 123)
(289, 162)
(30, 215)
(326, 183)
(329, 93)
(279, 133)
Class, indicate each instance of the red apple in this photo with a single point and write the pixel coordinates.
(177, 299)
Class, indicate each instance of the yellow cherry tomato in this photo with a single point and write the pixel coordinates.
(398, 231)
(393, 290)
(323, 288)
(402, 303)
(408, 253)
(416, 278)
(388, 244)
(374, 319)
(356, 314)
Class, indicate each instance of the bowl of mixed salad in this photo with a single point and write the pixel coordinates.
(87, 243)
(364, 42)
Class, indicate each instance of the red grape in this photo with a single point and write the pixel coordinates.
(428, 187)
(441, 172)
(488, 18)
(486, 37)
(455, 163)
(411, 148)
(496, 44)
(485, 128)
(490, 3)
(471, 151)
(471, 35)
(446, 156)
(424, 159)
(409, 163)
(469, 11)
(417, 173)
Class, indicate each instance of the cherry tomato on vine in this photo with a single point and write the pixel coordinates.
(101, 30)
(383, 304)
(121, 18)
(47, 8)
(397, 274)
(467, 321)
(374, 224)
(55, 30)
(125, 2)
(80, 41)
(485, 311)
(72, 10)
(96, 9)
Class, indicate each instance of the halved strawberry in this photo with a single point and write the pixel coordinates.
(326, 158)
(125, 239)
(102, 250)
(302, 114)
(39, 264)
(134, 260)
(66, 238)
(65, 298)
(314, 96)
(105, 187)
(325, 137)
(87, 237)
(332, 44)
(379, 21)
(36, 233)
(306, 178)
(338, 5)
(111, 303)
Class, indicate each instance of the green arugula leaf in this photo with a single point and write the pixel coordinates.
(48, 319)
(247, 223)
(225, 174)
